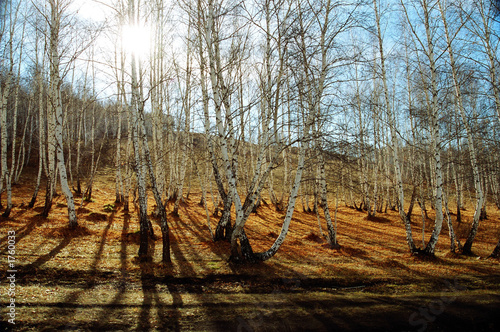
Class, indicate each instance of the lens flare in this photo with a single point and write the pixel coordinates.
(136, 40)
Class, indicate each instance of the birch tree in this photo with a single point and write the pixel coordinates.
(220, 75)
(55, 111)
(431, 91)
(137, 103)
(9, 25)
(481, 19)
(39, 67)
(15, 115)
(393, 133)
(323, 15)
(142, 155)
(223, 229)
(184, 137)
(121, 100)
(460, 108)
(158, 72)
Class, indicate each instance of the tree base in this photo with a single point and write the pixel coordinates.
(467, 252)
(6, 213)
(335, 246)
(422, 254)
(143, 259)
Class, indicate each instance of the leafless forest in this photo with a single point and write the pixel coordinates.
(295, 110)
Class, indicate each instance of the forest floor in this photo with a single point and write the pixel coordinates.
(89, 279)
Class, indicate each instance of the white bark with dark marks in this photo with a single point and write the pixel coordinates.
(394, 138)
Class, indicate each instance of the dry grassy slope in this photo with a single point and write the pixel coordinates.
(89, 279)
(371, 249)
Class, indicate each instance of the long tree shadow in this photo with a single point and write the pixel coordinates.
(68, 312)
(151, 301)
(151, 286)
(217, 317)
(23, 231)
(172, 287)
(335, 313)
(148, 289)
(47, 257)
(102, 243)
(178, 235)
(198, 229)
(103, 320)
(188, 282)
(202, 234)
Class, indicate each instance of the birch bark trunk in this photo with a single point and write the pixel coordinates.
(186, 107)
(156, 193)
(394, 138)
(496, 251)
(435, 135)
(119, 197)
(56, 107)
(6, 89)
(472, 150)
(41, 126)
(14, 125)
(222, 226)
(144, 253)
(318, 99)
(4, 143)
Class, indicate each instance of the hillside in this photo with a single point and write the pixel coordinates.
(89, 278)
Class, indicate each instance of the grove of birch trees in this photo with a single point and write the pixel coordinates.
(377, 104)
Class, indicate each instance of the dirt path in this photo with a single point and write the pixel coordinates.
(143, 302)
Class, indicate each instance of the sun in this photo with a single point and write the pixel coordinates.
(136, 40)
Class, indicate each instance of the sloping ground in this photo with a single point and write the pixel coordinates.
(89, 279)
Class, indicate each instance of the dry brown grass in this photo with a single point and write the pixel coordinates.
(368, 244)
(101, 251)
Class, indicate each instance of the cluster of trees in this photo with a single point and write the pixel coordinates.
(381, 102)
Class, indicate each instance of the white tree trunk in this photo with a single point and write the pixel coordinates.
(137, 104)
(435, 136)
(184, 141)
(56, 107)
(472, 150)
(4, 143)
(394, 138)
(41, 129)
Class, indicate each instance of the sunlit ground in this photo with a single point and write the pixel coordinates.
(89, 279)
